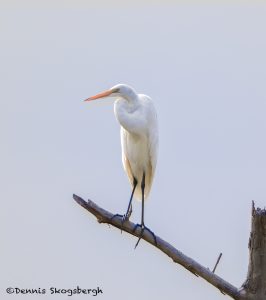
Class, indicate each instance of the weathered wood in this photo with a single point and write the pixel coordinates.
(177, 256)
(254, 288)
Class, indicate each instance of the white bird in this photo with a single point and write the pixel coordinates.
(139, 140)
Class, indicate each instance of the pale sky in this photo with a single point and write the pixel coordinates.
(203, 63)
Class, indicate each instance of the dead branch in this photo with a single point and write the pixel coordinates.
(103, 216)
(217, 262)
(254, 288)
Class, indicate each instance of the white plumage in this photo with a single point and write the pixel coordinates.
(139, 140)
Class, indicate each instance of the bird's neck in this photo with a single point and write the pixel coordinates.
(130, 101)
(131, 97)
(124, 110)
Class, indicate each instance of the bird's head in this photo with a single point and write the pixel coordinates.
(119, 90)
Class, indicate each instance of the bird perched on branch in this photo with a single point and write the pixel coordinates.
(139, 140)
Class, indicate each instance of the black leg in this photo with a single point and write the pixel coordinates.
(142, 225)
(127, 215)
(129, 208)
(142, 199)
(142, 208)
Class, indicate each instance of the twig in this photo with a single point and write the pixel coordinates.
(103, 216)
(217, 262)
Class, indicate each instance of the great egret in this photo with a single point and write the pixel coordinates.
(139, 140)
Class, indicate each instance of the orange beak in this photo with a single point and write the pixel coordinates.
(101, 95)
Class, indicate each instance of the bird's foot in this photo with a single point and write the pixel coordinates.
(124, 218)
(116, 216)
(143, 227)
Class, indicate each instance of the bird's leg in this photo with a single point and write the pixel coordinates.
(129, 208)
(127, 215)
(142, 225)
(142, 209)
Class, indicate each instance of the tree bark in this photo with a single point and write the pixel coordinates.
(254, 288)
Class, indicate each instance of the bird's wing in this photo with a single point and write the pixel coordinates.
(153, 146)
(153, 138)
(126, 163)
(153, 150)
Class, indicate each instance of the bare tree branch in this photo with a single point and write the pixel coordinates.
(177, 256)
